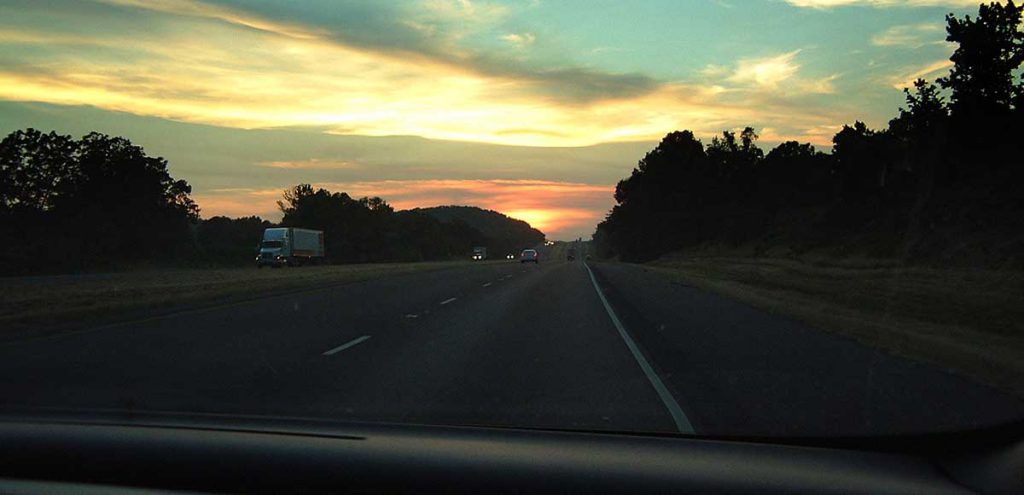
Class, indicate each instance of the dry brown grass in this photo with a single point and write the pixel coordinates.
(31, 305)
(970, 321)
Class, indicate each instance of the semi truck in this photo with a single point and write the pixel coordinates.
(479, 253)
(288, 246)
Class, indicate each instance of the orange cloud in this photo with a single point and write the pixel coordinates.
(562, 210)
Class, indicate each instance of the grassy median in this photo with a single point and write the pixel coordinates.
(46, 304)
(970, 321)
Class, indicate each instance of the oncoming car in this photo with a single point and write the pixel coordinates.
(529, 255)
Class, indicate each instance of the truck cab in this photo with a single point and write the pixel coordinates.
(275, 248)
(286, 246)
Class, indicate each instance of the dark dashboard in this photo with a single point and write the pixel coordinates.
(75, 454)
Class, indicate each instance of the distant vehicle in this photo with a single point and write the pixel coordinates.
(510, 256)
(529, 255)
(571, 255)
(479, 253)
(287, 246)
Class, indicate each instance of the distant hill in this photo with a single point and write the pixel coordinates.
(503, 234)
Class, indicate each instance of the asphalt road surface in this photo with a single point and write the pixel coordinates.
(555, 345)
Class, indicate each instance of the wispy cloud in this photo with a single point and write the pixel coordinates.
(312, 164)
(476, 11)
(911, 35)
(715, 71)
(214, 71)
(432, 30)
(207, 63)
(519, 40)
(827, 4)
(906, 78)
(208, 10)
(608, 49)
(777, 73)
(767, 71)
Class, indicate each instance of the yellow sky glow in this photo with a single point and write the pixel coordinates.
(229, 70)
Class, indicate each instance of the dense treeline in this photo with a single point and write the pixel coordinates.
(226, 241)
(502, 235)
(942, 182)
(370, 230)
(101, 203)
(67, 204)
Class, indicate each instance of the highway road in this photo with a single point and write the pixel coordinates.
(555, 345)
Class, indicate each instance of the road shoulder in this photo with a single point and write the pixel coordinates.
(737, 368)
(964, 321)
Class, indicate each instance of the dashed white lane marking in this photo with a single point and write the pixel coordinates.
(353, 342)
(446, 301)
(488, 284)
(682, 422)
(412, 315)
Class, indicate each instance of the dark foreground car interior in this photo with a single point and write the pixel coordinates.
(111, 453)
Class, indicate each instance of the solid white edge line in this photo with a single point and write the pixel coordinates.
(446, 301)
(488, 284)
(682, 422)
(346, 345)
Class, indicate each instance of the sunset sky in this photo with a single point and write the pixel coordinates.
(533, 108)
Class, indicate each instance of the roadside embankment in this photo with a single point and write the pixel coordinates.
(970, 321)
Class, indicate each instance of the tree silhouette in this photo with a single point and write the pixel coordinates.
(990, 49)
(938, 171)
(663, 193)
(226, 241)
(986, 89)
(795, 175)
(369, 230)
(91, 202)
(499, 233)
(37, 170)
(922, 130)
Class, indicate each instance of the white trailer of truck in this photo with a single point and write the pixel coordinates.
(288, 246)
